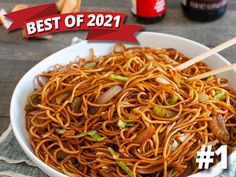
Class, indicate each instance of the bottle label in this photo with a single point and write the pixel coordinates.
(205, 4)
(148, 8)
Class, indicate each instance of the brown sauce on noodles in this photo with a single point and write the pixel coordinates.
(129, 113)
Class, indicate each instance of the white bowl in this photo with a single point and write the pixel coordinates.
(26, 85)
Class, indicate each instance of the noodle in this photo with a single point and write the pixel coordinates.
(129, 113)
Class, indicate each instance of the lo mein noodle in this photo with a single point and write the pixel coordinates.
(129, 113)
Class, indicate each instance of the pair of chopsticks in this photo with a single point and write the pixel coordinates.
(207, 54)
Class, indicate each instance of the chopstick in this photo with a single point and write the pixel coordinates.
(213, 72)
(207, 54)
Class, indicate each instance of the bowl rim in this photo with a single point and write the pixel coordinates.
(43, 166)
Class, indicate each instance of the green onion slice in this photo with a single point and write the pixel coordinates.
(118, 77)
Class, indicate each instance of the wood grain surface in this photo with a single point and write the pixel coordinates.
(18, 55)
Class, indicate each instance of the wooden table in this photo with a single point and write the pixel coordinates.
(18, 55)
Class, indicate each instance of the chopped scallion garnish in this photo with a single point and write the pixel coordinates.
(125, 168)
(95, 135)
(173, 100)
(162, 112)
(220, 95)
(118, 77)
(114, 154)
(123, 124)
(121, 164)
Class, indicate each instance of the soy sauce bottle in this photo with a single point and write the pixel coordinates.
(204, 10)
(148, 11)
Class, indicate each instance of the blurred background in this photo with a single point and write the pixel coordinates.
(18, 54)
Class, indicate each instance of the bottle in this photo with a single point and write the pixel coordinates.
(148, 11)
(204, 10)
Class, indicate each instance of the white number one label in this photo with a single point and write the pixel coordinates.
(222, 151)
